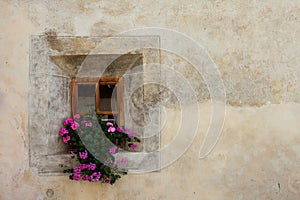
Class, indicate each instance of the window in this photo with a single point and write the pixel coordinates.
(104, 95)
(53, 63)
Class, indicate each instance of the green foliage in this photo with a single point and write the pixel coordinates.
(92, 142)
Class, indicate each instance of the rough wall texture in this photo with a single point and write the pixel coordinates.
(255, 45)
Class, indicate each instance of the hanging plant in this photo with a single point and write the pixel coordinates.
(93, 142)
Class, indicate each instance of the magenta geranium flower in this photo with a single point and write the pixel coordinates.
(66, 139)
(83, 155)
(120, 129)
(98, 174)
(85, 177)
(111, 129)
(107, 180)
(92, 166)
(74, 125)
(77, 170)
(131, 135)
(84, 166)
(112, 150)
(89, 124)
(109, 124)
(68, 121)
(63, 131)
(95, 177)
(77, 116)
(132, 146)
(76, 177)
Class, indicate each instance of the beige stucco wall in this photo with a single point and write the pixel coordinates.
(255, 44)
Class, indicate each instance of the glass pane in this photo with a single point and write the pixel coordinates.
(86, 97)
(109, 118)
(106, 97)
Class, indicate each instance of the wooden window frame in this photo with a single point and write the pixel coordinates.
(98, 81)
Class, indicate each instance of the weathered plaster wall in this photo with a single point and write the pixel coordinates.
(255, 44)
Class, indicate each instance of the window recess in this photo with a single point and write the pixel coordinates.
(104, 95)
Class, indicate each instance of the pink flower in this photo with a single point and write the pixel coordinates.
(131, 135)
(74, 125)
(63, 131)
(98, 174)
(77, 170)
(66, 139)
(112, 150)
(107, 180)
(92, 166)
(120, 129)
(123, 161)
(109, 124)
(72, 153)
(83, 121)
(94, 180)
(85, 177)
(68, 120)
(89, 124)
(83, 155)
(84, 166)
(76, 177)
(77, 116)
(111, 129)
(132, 146)
(95, 176)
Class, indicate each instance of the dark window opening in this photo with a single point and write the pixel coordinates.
(104, 95)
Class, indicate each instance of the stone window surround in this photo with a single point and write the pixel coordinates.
(43, 117)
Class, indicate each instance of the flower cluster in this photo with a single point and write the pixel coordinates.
(80, 130)
(95, 177)
(73, 125)
(117, 132)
